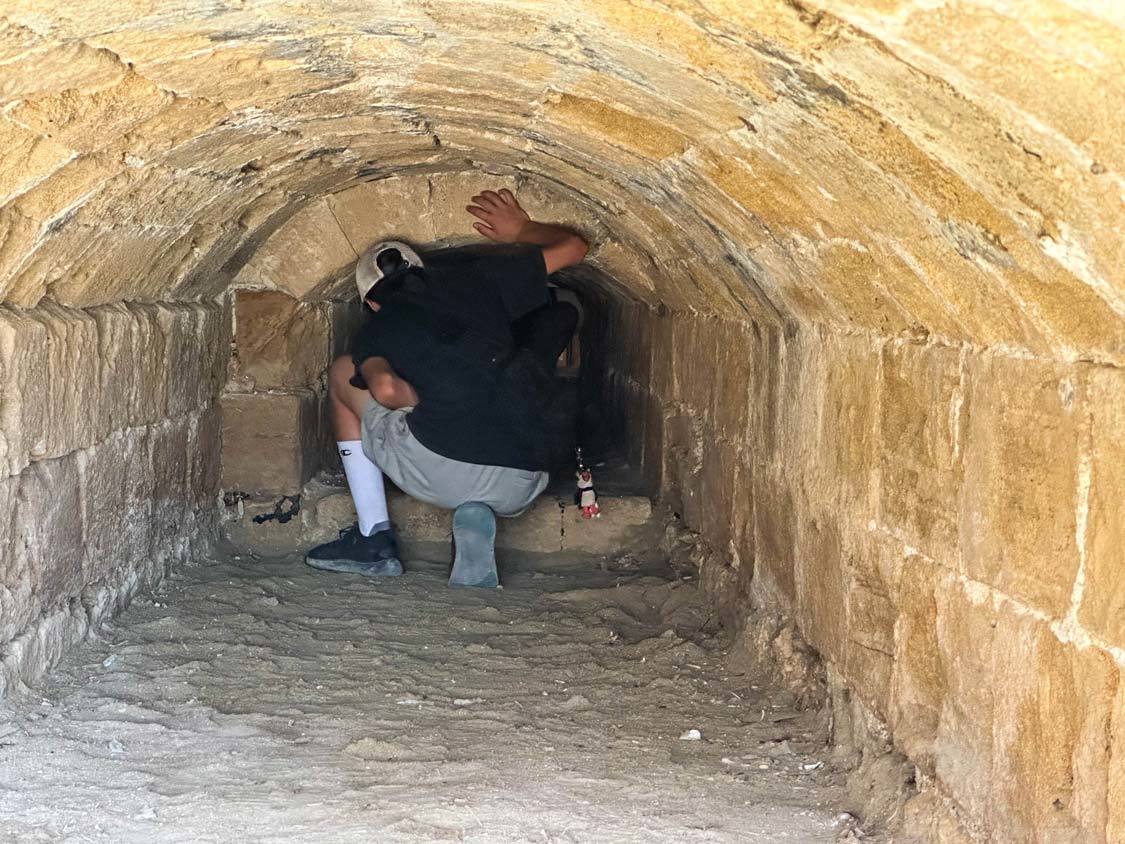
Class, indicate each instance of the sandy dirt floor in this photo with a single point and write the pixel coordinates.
(259, 700)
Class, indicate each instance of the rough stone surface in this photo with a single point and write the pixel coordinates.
(1019, 520)
(864, 260)
(1103, 598)
(551, 524)
(270, 441)
(280, 342)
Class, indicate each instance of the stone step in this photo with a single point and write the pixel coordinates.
(552, 524)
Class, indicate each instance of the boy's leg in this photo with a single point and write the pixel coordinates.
(474, 547)
(365, 481)
(369, 547)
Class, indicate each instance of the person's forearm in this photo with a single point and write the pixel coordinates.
(544, 234)
(385, 386)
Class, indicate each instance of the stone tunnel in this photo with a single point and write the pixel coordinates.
(855, 290)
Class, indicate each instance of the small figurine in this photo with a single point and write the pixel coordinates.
(586, 496)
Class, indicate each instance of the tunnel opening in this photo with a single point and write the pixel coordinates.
(855, 327)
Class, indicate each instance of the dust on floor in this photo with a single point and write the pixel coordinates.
(258, 700)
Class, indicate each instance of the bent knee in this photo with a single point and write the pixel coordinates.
(339, 374)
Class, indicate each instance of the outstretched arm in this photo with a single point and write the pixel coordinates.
(503, 220)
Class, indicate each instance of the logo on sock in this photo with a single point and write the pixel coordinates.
(345, 452)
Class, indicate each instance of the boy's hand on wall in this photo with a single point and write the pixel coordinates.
(502, 218)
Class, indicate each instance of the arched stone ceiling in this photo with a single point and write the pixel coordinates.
(946, 169)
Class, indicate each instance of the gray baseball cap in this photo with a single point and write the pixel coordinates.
(367, 272)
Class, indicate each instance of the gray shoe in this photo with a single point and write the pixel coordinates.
(474, 544)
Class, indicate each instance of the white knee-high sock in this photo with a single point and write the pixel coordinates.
(366, 484)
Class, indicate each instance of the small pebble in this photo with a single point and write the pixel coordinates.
(692, 735)
(109, 660)
(115, 746)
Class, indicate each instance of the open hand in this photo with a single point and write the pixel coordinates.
(502, 218)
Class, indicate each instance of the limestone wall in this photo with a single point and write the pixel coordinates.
(866, 256)
(109, 437)
(943, 523)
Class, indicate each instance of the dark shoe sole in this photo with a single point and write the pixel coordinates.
(383, 568)
(474, 548)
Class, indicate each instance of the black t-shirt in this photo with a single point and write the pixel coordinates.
(466, 410)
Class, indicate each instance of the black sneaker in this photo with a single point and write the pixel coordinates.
(373, 556)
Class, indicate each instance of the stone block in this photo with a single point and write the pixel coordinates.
(418, 521)
(1115, 796)
(871, 617)
(117, 479)
(734, 379)
(269, 441)
(305, 252)
(652, 458)
(120, 367)
(395, 208)
(622, 517)
(923, 412)
(139, 359)
(634, 271)
(280, 341)
(48, 529)
(775, 533)
(963, 749)
(800, 404)
(1050, 733)
(630, 403)
(591, 118)
(50, 68)
(663, 380)
(544, 528)
(205, 433)
(683, 463)
(194, 339)
(821, 586)
(718, 478)
(168, 444)
(1103, 594)
(72, 378)
(16, 605)
(84, 120)
(450, 193)
(849, 416)
(765, 354)
(23, 390)
(742, 518)
(1021, 476)
(28, 158)
(919, 686)
(697, 376)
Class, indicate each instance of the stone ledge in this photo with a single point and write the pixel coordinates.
(550, 525)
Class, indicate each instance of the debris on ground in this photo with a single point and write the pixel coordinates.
(262, 695)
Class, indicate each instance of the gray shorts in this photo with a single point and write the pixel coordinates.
(422, 474)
